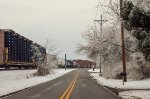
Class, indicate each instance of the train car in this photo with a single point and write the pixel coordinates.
(1, 47)
(15, 50)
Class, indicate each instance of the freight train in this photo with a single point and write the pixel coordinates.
(16, 50)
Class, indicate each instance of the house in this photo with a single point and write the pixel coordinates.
(84, 63)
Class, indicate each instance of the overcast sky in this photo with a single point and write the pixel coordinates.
(63, 21)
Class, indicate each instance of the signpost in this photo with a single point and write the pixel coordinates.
(65, 61)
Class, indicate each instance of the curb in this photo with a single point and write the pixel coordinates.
(116, 91)
(111, 90)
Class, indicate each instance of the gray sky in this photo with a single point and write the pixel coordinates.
(63, 21)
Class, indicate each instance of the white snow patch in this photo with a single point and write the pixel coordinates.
(15, 80)
(95, 71)
(134, 94)
(118, 84)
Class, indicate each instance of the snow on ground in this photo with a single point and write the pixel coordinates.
(135, 94)
(15, 80)
(95, 71)
(113, 83)
(137, 88)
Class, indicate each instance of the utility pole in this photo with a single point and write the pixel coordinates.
(95, 40)
(101, 30)
(65, 61)
(123, 45)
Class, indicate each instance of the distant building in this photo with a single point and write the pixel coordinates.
(84, 63)
(69, 64)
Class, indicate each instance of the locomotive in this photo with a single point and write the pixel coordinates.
(16, 50)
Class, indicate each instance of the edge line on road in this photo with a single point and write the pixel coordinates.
(103, 86)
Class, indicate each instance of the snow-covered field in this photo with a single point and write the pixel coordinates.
(133, 86)
(15, 80)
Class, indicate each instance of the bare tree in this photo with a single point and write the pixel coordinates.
(45, 61)
(109, 44)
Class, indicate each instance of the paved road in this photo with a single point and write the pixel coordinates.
(74, 85)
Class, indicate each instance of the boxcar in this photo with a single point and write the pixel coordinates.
(1, 47)
(15, 50)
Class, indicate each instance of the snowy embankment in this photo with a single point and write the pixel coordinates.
(135, 94)
(137, 88)
(15, 80)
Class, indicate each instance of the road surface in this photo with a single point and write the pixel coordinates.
(74, 85)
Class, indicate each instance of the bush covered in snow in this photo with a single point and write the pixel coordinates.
(137, 69)
(140, 67)
(45, 62)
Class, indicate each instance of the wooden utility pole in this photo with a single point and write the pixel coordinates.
(123, 45)
(95, 36)
(101, 30)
